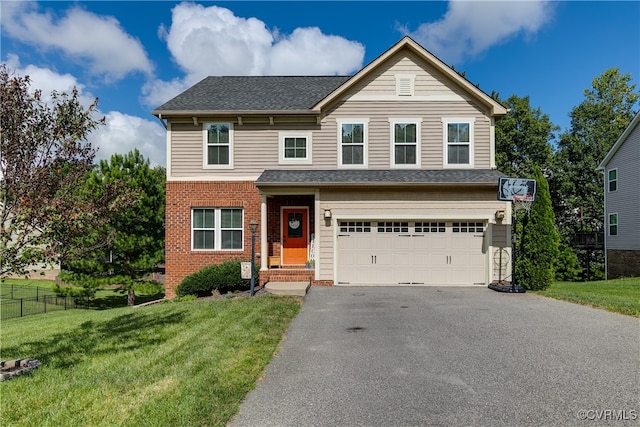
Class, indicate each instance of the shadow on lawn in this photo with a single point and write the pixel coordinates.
(120, 300)
(127, 332)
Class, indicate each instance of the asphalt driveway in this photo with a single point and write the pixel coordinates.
(382, 356)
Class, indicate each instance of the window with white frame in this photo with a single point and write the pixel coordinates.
(458, 141)
(217, 229)
(218, 145)
(613, 224)
(352, 134)
(613, 180)
(295, 147)
(405, 142)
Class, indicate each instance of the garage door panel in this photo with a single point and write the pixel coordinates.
(433, 253)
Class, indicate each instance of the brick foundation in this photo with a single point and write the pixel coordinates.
(623, 263)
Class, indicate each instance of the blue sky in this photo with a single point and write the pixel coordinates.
(134, 56)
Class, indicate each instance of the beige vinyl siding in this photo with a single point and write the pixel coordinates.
(626, 200)
(418, 204)
(255, 146)
(432, 143)
(428, 80)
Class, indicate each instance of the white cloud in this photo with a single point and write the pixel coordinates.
(206, 41)
(109, 51)
(471, 27)
(307, 51)
(121, 133)
(124, 133)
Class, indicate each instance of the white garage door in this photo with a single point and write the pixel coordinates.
(411, 252)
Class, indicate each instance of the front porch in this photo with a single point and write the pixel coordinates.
(287, 263)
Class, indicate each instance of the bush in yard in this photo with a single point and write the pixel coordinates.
(225, 277)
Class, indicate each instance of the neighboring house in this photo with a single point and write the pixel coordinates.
(621, 168)
(34, 271)
(386, 177)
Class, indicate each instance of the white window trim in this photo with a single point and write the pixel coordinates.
(609, 181)
(205, 153)
(217, 229)
(617, 224)
(405, 120)
(401, 90)
(295, 134)
(365, 151)
(445, 144)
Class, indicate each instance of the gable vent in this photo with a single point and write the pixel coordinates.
(404, 84)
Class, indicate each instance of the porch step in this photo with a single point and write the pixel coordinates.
(288, 288)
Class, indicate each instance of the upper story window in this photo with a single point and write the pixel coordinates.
(613, 224)
(294, 148)
(458, 142)
(352, 137)
(405, 142)
(613, 180)
(218, 145)
(216, 228)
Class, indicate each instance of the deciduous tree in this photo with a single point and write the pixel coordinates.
(44, 162)
(577, 186)
(523, 138)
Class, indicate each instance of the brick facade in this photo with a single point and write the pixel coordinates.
(181, 197)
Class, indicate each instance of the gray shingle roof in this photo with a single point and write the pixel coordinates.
(254, 93)
(273, 177)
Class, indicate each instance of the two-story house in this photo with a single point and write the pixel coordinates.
(621, 167)
(386, 177)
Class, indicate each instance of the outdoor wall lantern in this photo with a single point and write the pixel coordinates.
(327, 214)
(253, 226)
(500, 214)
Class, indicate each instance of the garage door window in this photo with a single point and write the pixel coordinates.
(430, 227)
(355, 227)
(393, 227)
(468, 227)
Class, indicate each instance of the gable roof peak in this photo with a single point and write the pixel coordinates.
(406, 42)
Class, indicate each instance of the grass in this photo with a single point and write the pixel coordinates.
(104, 298)
(176, 364)
(618, 295)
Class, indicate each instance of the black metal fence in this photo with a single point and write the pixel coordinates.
(19, 301)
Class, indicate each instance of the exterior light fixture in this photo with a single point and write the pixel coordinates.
(327, 214)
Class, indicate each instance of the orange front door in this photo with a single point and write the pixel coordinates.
(294, 236)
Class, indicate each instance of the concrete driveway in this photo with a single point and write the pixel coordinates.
(381, 356)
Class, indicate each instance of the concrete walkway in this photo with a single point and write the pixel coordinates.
(449, 357)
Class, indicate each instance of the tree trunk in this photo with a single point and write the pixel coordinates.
(131, 298)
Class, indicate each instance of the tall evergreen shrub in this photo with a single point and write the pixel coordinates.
(539, 242)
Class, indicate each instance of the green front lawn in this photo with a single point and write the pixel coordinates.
(172, 364)
(619, 295)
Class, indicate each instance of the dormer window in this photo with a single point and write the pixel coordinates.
(405, 84)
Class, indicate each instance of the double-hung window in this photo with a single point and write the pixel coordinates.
(458, 142)
(613, 224)
(217, 229)
(405, 142)
(295, 148)
(352, 137)
(218, 145)
(613, 180)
